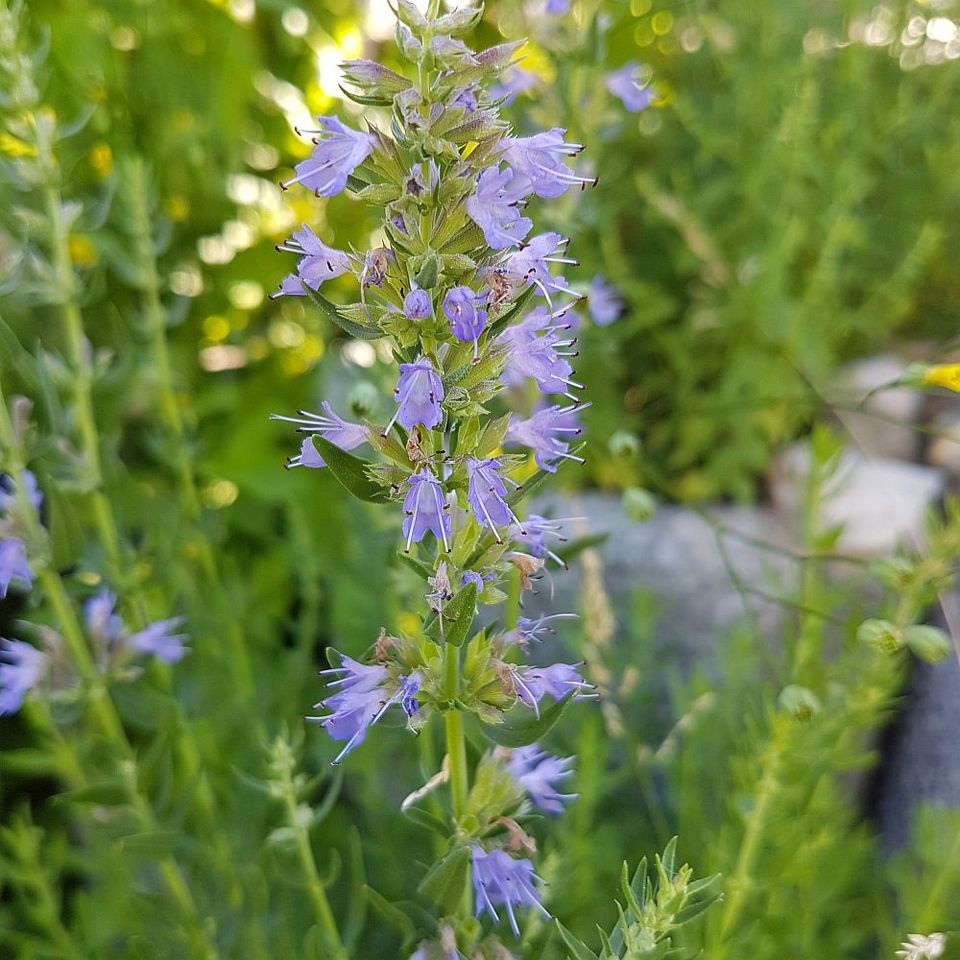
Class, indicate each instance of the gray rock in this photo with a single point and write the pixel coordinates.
(691, 565)
(886, 427)
(922, 758)
(943, 448)
(881, 503)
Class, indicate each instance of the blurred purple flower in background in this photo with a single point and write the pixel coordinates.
(605, 304)
(21, 666)
(625, 84)
(538, 772)
(13, 565)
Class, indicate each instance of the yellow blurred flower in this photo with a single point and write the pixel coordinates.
(101, 159)
(13, 147)
(943, 375)
(82, 251)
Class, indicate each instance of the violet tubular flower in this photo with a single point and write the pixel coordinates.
(625, 84)
(494, 207)
(500, 880)
(559, 680)
(338, 151)
(537, 348)
(548, 433)
(318, 263)
(530, 628)
(363, 695)
(487, 495)
(418, 396)
(101, 619)
(330, 426)
(605, 303)
(463, 308)
(161, 640)
(21, 667)
(8, 497)
(539, 772)
(417, 305)
(13, 565)
(533, 538)
(530, 264)
(424, 511)
(540, 159)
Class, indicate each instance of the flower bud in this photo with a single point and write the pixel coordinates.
(411, 16)
(639, 504)
(928, 643)
(407, 43)
(881, 634)
(373, 79)
(363, 399)
(458, 21)
(799, 701)
(624, 444)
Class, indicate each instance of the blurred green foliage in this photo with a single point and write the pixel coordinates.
(789, 202)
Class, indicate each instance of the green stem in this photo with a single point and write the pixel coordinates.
(318, 895)
(740, 884)
(456, 749)
(156, 322)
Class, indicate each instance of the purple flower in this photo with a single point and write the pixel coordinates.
(533, 352)
(531, 264)
(558, 7)
(418, 395)
(318, 263)
(515, 81)
(365, 693)
(500, 880)
(494, 208)
(487, 493)
(558, 681)
(538, 772)
(338, 152)
(624, 83)
(13, 564)
(605, 302)
(548, 433)
(417, 305)
(21, 666)
(420, 182)
(540, 160)
(8, 498)
(103, 623)
(340, 432)
(424, 512)
(470, 576)
(534, 537)
(530, 628)
(463, 308)
(161, 639)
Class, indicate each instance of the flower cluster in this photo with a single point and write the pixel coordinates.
(23, 666)
(475, 309)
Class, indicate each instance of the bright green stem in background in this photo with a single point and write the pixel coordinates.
(138, 190)
(456, 748)
(318, 895)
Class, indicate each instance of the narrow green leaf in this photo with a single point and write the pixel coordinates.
(513, 310)
(576, 949)
(350, 471)
(392, 914)
(458, 615)
(426, 819)
(330, 311)
(446, 879)
(420, 569)
(517, 732)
